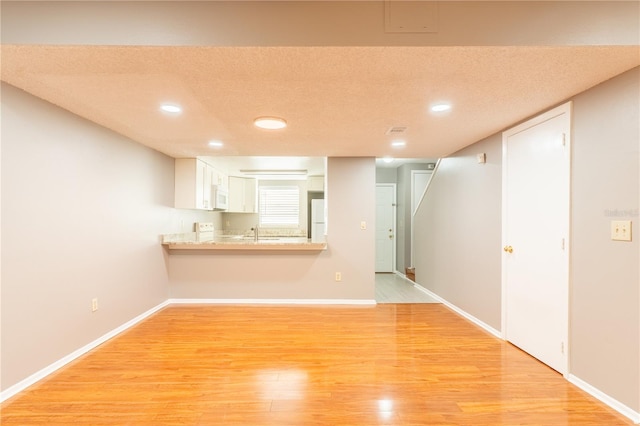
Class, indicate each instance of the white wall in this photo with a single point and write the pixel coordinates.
(83, 210)
(386, 175)
(605, 285)
(350, 198)
(404, 213)
(458, 233)
(82, 214)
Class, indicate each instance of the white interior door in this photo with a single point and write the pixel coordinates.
(385, 227)
(536, 191)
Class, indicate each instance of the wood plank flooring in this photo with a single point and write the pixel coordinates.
(390, 364)
(392, 288)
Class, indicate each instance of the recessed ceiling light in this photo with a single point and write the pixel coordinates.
(171, 108)
(440, 107)
(216, 144)
(398, 144)
(388, 159)
(270, 123)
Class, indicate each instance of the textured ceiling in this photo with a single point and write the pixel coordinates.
(338, 101)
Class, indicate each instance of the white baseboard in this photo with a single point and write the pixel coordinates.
(41, 374)
(20, 386)
(23, 384)
(460, 312)
(604, 398)
(596, 393)
(419, 287)
(274, 301)
(401, 275)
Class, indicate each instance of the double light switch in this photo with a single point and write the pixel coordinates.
(621, 230)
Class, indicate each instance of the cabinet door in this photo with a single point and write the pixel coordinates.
(206, 187)
(236, 195)
(220, 179)
(215, 179)
(189, 178)
(251, 196)
(242, 195)
(223, 180)
(193, 180)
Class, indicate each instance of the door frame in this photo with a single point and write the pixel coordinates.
(565, 109)
(394, 221)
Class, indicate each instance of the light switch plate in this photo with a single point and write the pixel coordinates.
(363, 225)
(621, 230)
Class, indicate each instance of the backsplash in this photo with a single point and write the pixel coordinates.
(239, 221)
(179, 237)
(270, 232)
(241, 224)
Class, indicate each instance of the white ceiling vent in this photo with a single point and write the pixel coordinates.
(396, 130)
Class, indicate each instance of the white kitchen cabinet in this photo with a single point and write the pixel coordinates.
(193, 180)
(219, 178)
(223, 180)
(206, 189)
(315, 183)
(243, 194)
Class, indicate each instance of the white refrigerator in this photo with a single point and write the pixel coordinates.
(317, 221)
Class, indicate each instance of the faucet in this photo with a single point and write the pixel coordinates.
(255, 233)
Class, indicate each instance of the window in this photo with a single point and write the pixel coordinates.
(279, 206)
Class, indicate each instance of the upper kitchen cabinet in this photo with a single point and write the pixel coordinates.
(315, 183)
(243, 194)
(217, 177)
(193, 181)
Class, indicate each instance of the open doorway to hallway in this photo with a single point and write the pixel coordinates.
(399, 173)
(393, 288)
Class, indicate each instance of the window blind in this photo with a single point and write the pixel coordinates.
(279, 205)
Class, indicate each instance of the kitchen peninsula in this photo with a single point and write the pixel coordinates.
(205, 238)
(233, 268)
(276, 244)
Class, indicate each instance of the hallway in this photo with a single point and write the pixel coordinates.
(393, 288)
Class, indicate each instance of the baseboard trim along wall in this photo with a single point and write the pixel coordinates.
(601, 396)
(22, 385)
(36, 377)
(604, 398)
(274, 301)
(460, 312)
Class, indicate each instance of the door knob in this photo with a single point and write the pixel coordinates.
(508, 249)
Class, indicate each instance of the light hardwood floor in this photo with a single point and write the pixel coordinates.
(400, 364)
(393, 288)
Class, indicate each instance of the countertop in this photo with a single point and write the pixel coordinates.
(243, 243)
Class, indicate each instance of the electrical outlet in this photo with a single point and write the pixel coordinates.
(94, 304)
(338, 276)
